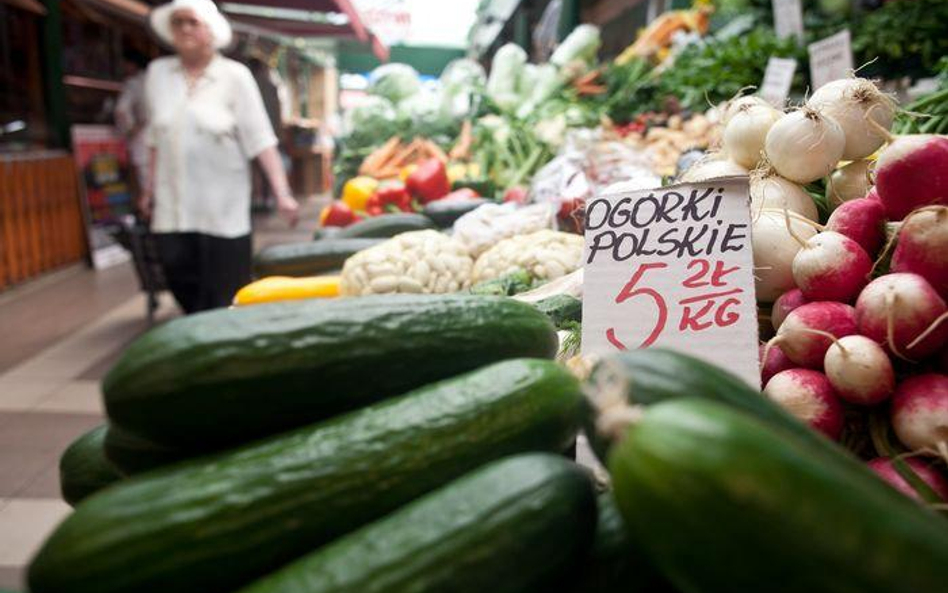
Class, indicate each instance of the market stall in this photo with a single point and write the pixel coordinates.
(415, 399)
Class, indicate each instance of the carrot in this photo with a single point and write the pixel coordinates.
(462, 147)
(379, 156)
(436, 151)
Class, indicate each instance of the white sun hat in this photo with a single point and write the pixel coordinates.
(205, 10)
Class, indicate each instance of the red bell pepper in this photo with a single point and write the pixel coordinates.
(429, 182)
(516, 194)
(393, 195)
(337, 214)
(373, 206)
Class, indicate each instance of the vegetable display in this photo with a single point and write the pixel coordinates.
(403, 403)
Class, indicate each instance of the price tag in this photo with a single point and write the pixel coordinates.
(830, 59)
(778, 78)
(788, 19)
(672, 267)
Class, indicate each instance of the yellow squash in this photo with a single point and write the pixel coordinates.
(284, 288)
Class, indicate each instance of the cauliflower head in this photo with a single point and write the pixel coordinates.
(544, 254)
(421, 262)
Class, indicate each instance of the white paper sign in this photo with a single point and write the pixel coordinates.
(788, 19)
(778, 78)
(672, 267)
(830, 59)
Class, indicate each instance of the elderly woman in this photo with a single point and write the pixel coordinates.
(206, 123)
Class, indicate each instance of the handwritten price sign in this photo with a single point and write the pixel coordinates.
(672, 267)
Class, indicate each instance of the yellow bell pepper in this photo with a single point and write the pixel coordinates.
(285, 288)
(357, 191)
(456, 171)
(406, 171)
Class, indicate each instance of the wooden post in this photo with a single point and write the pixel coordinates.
(52, 48)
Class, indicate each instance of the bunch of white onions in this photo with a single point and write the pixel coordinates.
(769, 191)
(713, 165)
(852, 102)
(746, 131)
(804, 145)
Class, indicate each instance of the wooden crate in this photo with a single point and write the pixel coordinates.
(41, 224)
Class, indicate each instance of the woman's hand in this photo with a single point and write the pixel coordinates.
(289, 209)
(145, 204)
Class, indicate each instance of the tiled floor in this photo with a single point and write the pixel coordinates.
(58, 337)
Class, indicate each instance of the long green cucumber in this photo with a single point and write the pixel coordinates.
(228, 376)
(387, 225)
(519, 525)
(645, 377)
(134, 455)
(216, 523)
(615, 563)
(309, 258)
(724, 501)
(83, 467)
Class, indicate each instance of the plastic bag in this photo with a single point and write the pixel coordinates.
(482, 228)
(503, 84)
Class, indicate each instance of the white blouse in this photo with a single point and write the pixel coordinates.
(204, 140)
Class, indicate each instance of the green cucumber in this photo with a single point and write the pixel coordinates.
(615, 564)
(326, 232)
(519, 525)
(387, 225)
(562, 309)
(83, 467)
(724, 501)
(445, 212)
(645, 377)
(308, 259)
(227, 376)
(484, 186)
(134, 455)
(216, 523)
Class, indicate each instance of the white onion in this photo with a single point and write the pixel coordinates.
(771, 191)
(746, 131)
(732, 106)
(774, 249)
(712, 166)
(804, 145)
(851, 102)
(848, 183)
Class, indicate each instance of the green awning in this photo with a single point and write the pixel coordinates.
(352, 57)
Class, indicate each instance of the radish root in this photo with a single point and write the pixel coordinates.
(928, 331)
(890, 299)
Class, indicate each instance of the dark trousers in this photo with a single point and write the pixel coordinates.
(202, 271)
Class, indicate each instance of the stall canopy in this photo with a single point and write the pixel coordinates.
(335, 19)
(305, 18)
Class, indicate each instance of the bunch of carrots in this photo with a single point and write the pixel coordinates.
(389, 159)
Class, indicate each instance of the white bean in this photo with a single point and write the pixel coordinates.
(384, 284)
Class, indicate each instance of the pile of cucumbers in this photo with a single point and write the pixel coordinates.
(416, 444)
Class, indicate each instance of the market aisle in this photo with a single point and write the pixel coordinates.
(60, 336)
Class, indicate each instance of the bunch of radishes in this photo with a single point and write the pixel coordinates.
(844, 340)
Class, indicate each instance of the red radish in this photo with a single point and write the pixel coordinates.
(936, 481)
(912, 172)
(923, 247)
(904, 313)
(807, 332)
(787, 302)
(831, 267)
(776, 361)
(859, 370)
(861, 220)
(920, 413)
(808, 396)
